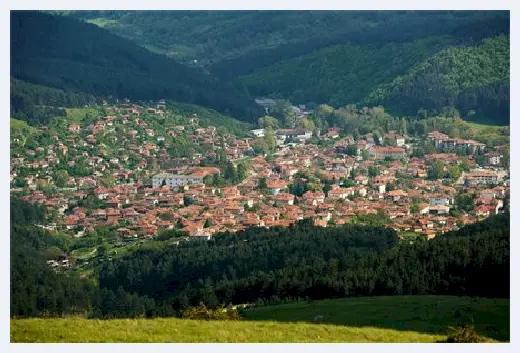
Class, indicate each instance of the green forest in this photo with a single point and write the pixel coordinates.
(257, 266)
(475, 80)
(246, 40)
(37, 104)
(404, 60)
(67, 54)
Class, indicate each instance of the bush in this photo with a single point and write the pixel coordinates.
(465, 334)
(201, 312)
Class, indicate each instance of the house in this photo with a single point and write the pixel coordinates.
(439, 209)
(74, 127)
(295, 134)
(258, 132)
(314, 198)
(276, 186)
(440, 200)
(174, 180)
(396, 195)
(481, 177)
(378, 152)
(284, 199)
(337, 193)
(493, 158)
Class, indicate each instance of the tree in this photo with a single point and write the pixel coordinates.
(230, 172)
(307, 124)
(268, 121)
(454, 172)
(436, 170)
(298, 188)
(352, 150)
(403, 127)
(262, 183)
(465, 202)
(60, 178)
(324, 110)
(187, 201)
(365, 154)
(102, 249)
(373, 171)
(242, 170)
(270, 139)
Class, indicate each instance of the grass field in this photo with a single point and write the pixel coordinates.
(78, 114)
(374, 319)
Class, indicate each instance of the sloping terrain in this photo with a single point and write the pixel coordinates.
(377, 319)
(74, 56)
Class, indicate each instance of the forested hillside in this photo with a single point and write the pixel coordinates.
(242, 41)
(64, 53)
(341, 74)
(404, 60)
(475, 80)
(38, 104)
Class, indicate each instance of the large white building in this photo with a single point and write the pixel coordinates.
(298, 134)
(258, 132)
(173, 180)
(481, 177)
(193, 176)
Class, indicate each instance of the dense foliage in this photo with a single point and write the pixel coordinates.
(317, 263)
(236, 42)
(35, 288)
(39, 104)
(475, 80)
(24, 213)
(65, 53)
(341, 74)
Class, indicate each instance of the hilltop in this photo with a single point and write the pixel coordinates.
(377, 319)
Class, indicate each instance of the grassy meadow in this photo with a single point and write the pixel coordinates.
(371, 319)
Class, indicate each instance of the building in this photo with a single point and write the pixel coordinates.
(378, 152)
(482, 177)
(258, 132)
(189, 177)
(445, 142)
(493, 158)
(297, 134)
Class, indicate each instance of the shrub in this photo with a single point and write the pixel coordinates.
(465, 334)
(201, 312)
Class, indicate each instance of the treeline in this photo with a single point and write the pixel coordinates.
(64, 53)
(263, 265)
(38, 104)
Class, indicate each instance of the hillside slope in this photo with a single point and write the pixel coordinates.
(377, 319)
(236, 42)
(337, 57)
(341, 74)
(469, 78)
(64, 53)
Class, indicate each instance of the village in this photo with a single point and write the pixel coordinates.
(139, 191)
